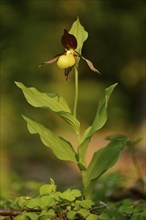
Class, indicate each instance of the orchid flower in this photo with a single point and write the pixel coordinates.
(68, 59)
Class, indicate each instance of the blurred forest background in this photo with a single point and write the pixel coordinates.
(30, 34)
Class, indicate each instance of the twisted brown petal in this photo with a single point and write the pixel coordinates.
(52, 60)
(67, 71)
(90, 64)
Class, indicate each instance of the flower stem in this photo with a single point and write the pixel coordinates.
(76, 93)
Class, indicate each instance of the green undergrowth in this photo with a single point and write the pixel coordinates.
(51, 204)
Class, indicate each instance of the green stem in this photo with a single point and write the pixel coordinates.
(76, 93)
(83, 171)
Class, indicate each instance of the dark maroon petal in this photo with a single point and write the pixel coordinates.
(68, 40)
(77, 54)
(52, 60)
(67, 71)
(90, 64)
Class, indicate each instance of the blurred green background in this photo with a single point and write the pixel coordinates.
(30, 34)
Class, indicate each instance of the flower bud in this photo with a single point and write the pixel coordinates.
(66, 61)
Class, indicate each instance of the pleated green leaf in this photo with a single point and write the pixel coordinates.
(60, 147)
(99, 121)
(102, 160)
(51, 101)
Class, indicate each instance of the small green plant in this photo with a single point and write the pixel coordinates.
(52, 204)
(104, 158)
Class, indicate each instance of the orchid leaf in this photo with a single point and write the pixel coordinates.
(102, 160)
(98, 123)
(79, 32)
(60, 147)
(51, 101)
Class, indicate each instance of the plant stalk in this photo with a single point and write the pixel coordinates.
(76, 93)
(83, 171)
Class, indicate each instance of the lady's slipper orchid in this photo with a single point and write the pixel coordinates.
(68, 59)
